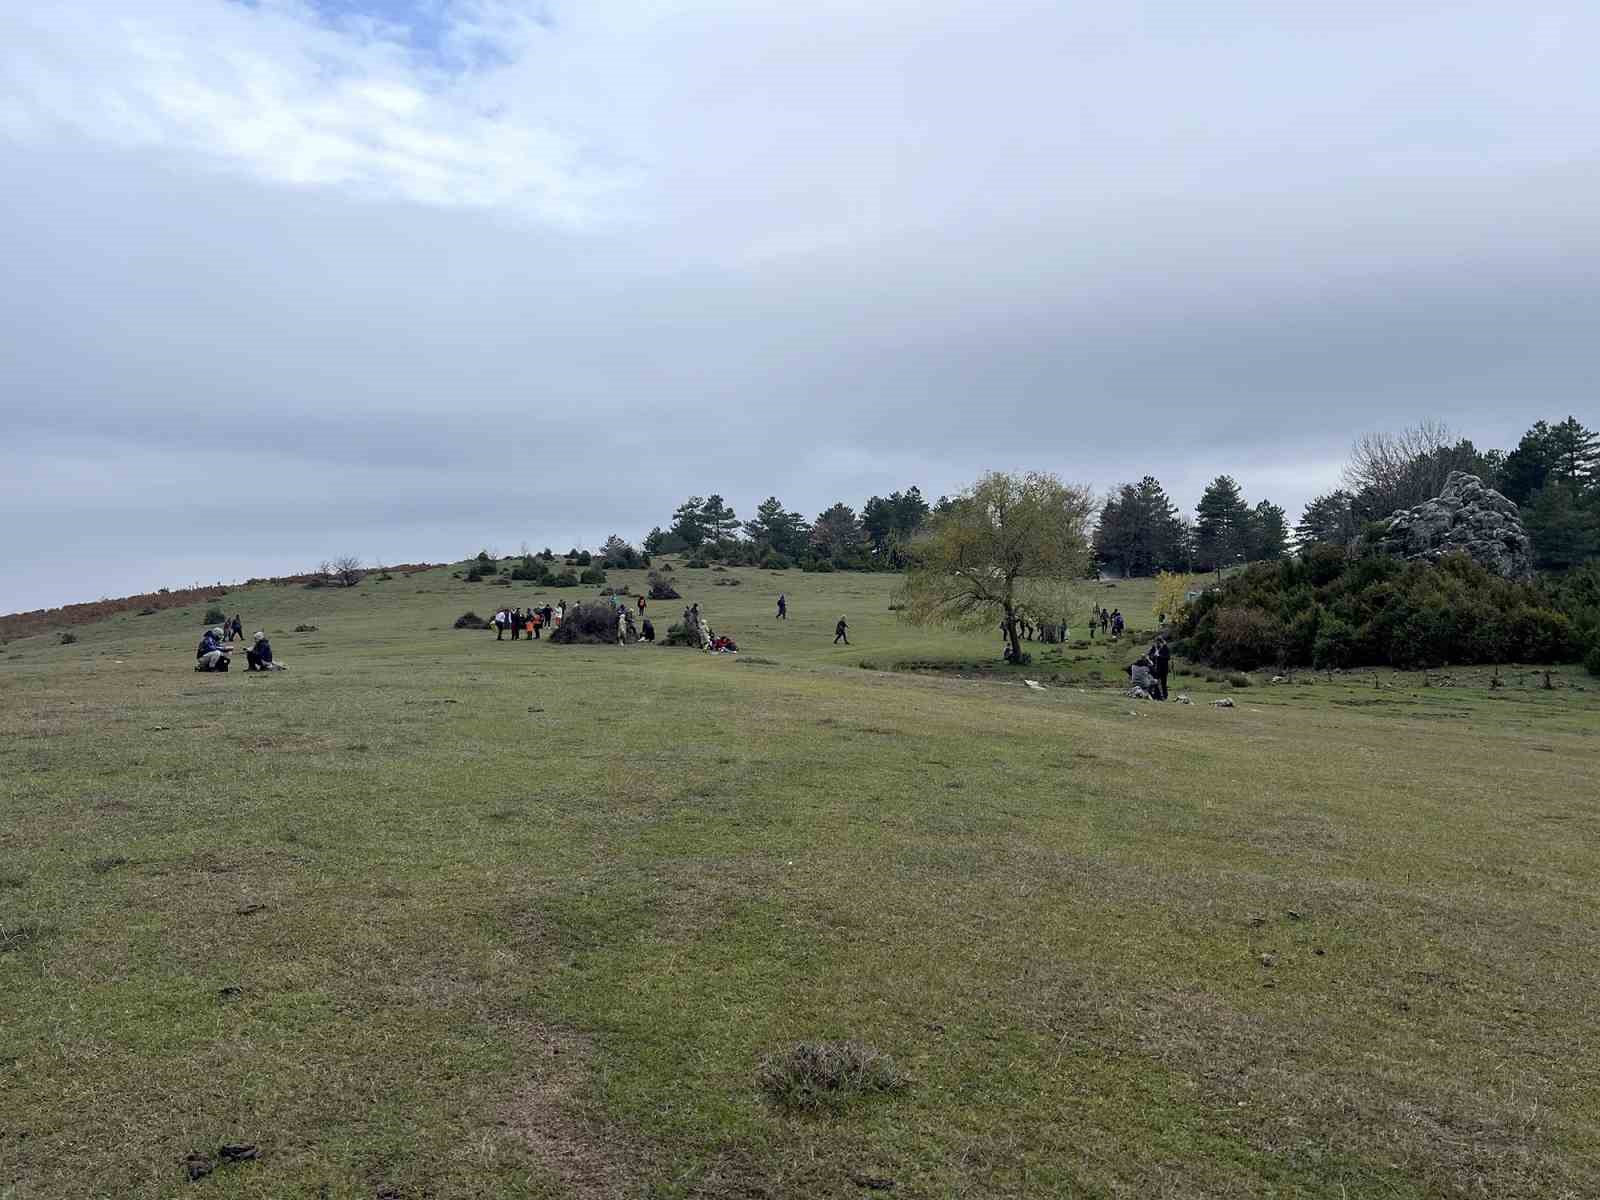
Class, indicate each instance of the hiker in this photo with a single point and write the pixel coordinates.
(549, 615)
(840, 632)
(622, 626)
(259, 656)
(641, 604)
(1161, 662)
(1094, 620)
(535, 623)
(649, 631)
(561, 613)
(783, 607)
(235, 628)
(500, 621)
(213, 652)
(1105, 622)
(1116, 624)
(515, 622)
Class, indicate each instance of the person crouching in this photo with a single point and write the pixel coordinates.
(213, 652)
(259, 656)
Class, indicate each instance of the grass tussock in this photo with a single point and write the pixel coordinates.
(828, 1075)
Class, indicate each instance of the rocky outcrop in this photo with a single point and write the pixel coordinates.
(1466, 517)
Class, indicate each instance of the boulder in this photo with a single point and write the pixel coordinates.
(1467, 517)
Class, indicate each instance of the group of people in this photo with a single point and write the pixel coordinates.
(1149, 671)
(529, 621)
(1109, 622)
(216, 649)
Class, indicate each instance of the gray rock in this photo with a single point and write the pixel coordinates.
(1223, 703)
(1467, 517)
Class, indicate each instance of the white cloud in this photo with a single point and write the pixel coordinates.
(275, 94)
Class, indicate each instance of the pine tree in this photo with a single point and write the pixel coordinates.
(1268, 539)
(1329, 519)
(688, 522)
(1222, 525)
(836, 533)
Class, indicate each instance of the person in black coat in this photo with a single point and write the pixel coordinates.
(1160, 664)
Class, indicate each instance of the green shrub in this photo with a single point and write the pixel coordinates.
(590, 622)
(215, 616)
(593, 575)
(678, 635)
(1591, 660)
(66, 637)
(471, 620)
(1247, 637)
(819, 566)
(661, 588)
(697, 564)
(1239, 680)
(564, 580)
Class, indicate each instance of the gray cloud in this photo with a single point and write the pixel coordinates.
(540, 291)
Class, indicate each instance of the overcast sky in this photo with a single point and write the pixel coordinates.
(403, 278)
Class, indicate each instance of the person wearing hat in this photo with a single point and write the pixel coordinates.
(259, 656)
(213, 652)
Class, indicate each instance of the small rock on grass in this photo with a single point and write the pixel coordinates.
(1223, 703)
(1269, 960)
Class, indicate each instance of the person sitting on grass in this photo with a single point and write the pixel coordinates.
(259, 656)
(649, 633)
(213, 652)
(1140, 676)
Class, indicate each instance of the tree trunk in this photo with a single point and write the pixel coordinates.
(1011, 633)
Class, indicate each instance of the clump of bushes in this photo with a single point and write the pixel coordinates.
(698, 564)
(589, 622)
(1591, 660)
(1239, 680)
(532, 569)
(1327, 610)
(147, 612)
(661, 588)
(593, 575)
(819, 566)
(471, 620)
(305, 628)
(215, 616)
(565, 579)
(66, 637)
(818, 1075)
(731, 581)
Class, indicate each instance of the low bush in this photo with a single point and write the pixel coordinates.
(697, 564)
(147, 612)
(662, 589)
(66, 637)
(502, 581)
(564, 580)
(1239, 680)
(731, 581)
(593, 575)
(819, 566)
(1591, 660)
(616, 591)
(816, 1075)
(679, 635)
(471, 620)
(305, 628)
(215, 616)
(590, 622)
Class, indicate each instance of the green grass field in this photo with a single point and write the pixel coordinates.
(430, 916)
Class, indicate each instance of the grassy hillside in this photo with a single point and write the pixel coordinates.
(430, 915)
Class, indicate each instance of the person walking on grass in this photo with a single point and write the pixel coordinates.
(783, 607)
(1105, 622)
(501, 619)
(1094, 620)
(841, 632)
(641, 606)
(515, 620)
(1117, 624)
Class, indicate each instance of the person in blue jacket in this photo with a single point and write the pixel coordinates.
(213, 652)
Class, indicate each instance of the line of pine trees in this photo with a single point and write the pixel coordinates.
(838, 538)
(1553, 474)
